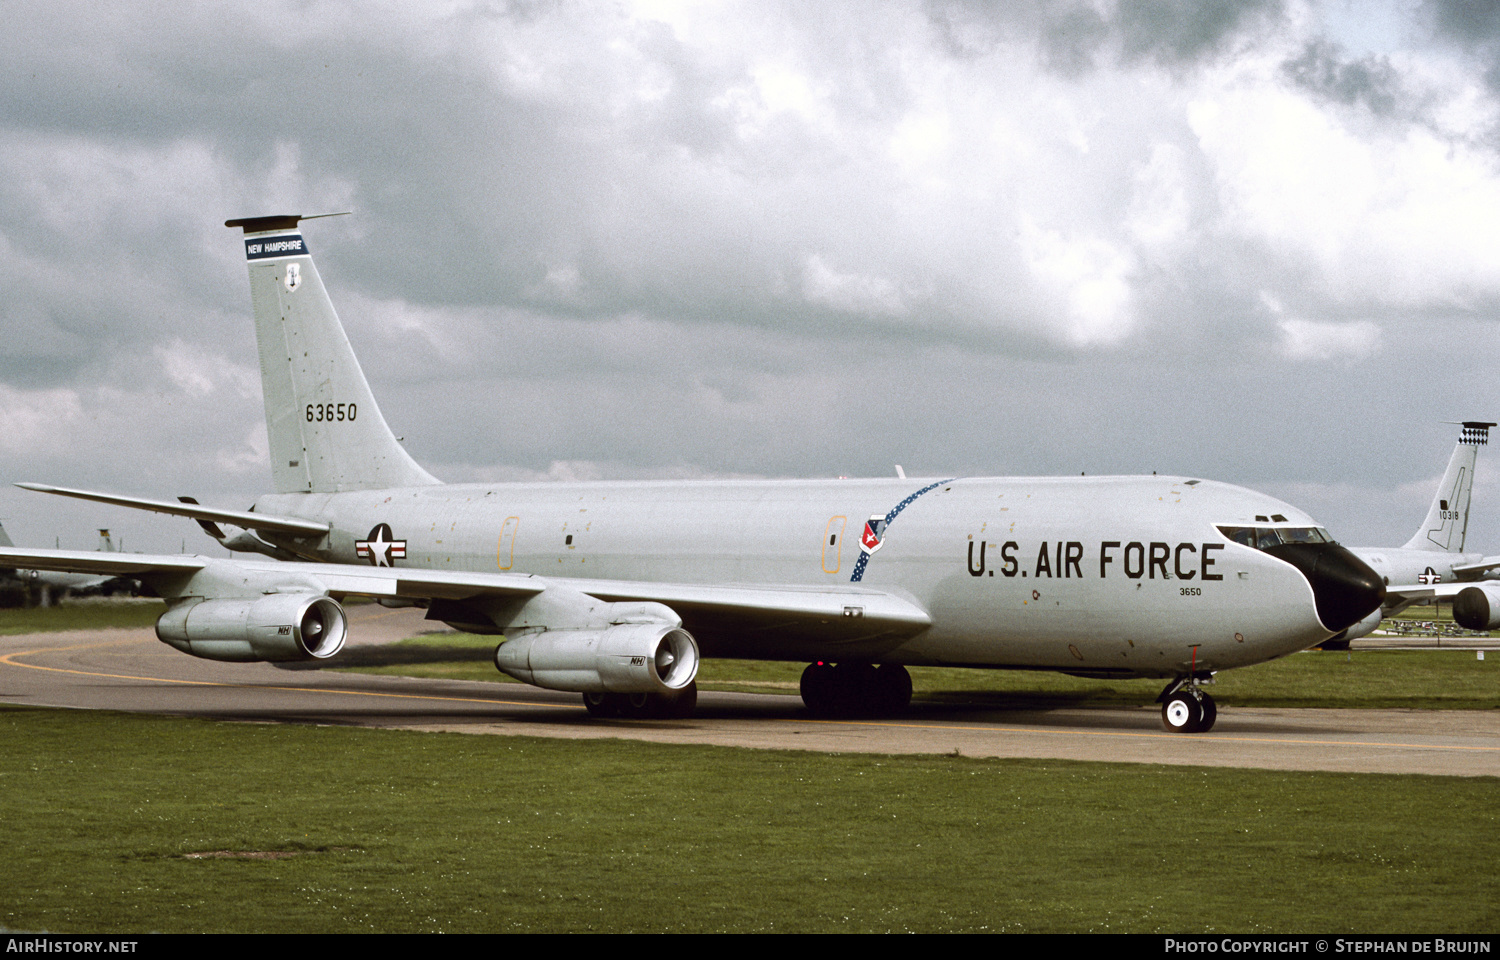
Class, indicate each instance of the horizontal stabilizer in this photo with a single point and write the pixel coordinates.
(338, 578)
(1427, 591)
(1488, 563)
(244, 518)
(1398, 598)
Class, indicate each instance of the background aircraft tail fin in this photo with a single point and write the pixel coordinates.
(325, 429)
(1447, 522)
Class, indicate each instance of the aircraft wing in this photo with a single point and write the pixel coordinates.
(769, 620)
(249, 519)
(758, 615)
(93, 561)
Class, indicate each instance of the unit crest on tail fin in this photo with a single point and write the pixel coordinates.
(325, 429)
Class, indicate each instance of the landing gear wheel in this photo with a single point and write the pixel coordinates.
(1182, 713)
(819, 686)
(602, 705)
(1210, 714)
(679, 704)
(892, 689)
(855, 689)
(644, 706)
(638, 706)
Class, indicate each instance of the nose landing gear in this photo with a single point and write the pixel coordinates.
(1185, 708)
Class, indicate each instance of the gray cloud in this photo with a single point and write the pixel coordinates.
(770, 241)
(1467, 21)
(1369, 81)
(1076, 36)
(1183, 31)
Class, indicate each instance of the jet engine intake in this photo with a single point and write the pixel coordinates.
(625, 658)
(1478, 607)
(278, 627)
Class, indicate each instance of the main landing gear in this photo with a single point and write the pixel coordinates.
(1185, 708)
(855, 689)
(644, 706)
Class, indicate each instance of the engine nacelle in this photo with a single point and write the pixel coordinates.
(1364, 628)
(625, 658)
(279, 627)
(1478, 607)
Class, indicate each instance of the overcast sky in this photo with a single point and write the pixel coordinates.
(1254, 242)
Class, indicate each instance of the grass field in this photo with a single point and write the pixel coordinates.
(128, 823)
(1415, 679)
(85, 614)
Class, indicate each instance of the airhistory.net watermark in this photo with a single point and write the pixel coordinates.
(67, 945)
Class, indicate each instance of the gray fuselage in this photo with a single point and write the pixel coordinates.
(1099, 575)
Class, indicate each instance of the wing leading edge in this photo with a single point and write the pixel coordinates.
(750, 618)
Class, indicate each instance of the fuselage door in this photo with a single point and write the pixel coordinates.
(833, 544)
(505, 553)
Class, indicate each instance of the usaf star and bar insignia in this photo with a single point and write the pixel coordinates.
(382, 548)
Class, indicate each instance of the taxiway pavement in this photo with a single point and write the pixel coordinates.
(130, 670)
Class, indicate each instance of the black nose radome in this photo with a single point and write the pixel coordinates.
(1345, 587)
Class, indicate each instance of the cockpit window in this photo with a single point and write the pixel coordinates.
(1261, 538)
(1241, 535)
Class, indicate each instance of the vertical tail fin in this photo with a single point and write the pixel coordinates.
(326, 432)
(1447, 523)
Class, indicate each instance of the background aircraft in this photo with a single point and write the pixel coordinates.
(608, 589)
(47, 585)
(1433, 563)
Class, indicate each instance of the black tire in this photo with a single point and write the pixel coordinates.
(679, 704)
(856, 689)
(1210, 714)
(602, 705)
(1182, 713)
(892, 689)
(652, 706)
(818, 686)
(639, 706)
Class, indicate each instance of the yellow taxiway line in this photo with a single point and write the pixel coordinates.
(10, 660)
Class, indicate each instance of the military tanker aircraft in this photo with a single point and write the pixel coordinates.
(615, 589)
(1434, 563)
(50, 582)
